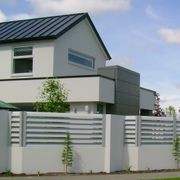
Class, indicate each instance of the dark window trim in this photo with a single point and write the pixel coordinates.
(81, 56)
(19, 57)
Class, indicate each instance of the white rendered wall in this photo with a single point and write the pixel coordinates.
(131, 156)
(85, 89)
(82, 39)
(156, 157)
(148, 157)
(43, 55)
(4, 141)
(147, 99)
(45, 158)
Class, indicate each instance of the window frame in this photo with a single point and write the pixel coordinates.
(81, 55)
(21, 57)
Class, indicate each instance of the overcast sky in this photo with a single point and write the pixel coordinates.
(143, 35)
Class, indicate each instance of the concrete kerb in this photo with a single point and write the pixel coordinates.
(131, 176)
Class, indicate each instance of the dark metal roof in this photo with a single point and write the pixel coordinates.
(43, 28)
(7, 106)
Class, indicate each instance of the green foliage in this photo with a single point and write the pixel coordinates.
(67, 154)
(176, 151)
(129, 169)
(170, 111)
(8, 172)
(52, 97)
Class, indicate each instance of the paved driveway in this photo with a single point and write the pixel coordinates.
(140, 176)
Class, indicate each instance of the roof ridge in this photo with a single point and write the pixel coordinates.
(10, 21)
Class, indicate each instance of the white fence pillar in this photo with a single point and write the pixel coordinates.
(4, 141)
(114, 143)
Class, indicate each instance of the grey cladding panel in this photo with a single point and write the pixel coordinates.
(121, 109)
(122, 98)
(133, 101)
(134, 79)
(133, 90)
(133, 110)
(122, 86)
(110, 73)
(127, 90)
(123, 75)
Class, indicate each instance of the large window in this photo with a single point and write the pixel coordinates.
(23, 60)
(81, 59)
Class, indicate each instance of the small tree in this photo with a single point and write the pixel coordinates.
(52, 97)
(176, 151)
(158, 111)
(170, 111)
(67, 154)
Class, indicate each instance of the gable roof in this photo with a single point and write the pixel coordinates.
(43, 28)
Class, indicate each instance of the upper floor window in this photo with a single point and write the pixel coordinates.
(81, 59)
(23, 60)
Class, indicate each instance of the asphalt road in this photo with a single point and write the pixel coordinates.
(140, 176)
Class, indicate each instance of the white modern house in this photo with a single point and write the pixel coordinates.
(108, 133)
(69, 49)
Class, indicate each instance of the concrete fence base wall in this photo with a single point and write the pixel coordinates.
(148, 157)
(45, 159)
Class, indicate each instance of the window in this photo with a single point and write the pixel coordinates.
(23, 60)
(81, 59)
(100, 108)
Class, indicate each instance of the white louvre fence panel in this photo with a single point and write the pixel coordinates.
(51, 128)
(178, 127)
(144, 130)
(157, 130)
(130, 130)
(15, 127)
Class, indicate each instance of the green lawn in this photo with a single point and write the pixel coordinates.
(177, 178)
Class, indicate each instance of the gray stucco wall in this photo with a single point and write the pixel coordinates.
(127, 90)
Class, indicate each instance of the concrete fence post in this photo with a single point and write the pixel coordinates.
(174, 126)
(22, 129)
(103, 130)
(138, 131)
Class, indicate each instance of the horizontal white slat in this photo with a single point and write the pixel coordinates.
(156, 142)
(64, 131)
(15, 129)
(64, 115)
(64, 126)
(129, 141)
(130, 118)
(64, 121)
(130, 131)
(156, 137)
(62, 136)
(62, 141)
(157, 128)
(155, 118)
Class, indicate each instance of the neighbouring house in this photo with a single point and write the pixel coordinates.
(68, 48)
